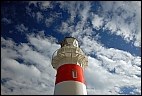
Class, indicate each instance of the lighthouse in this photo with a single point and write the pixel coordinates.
(70, 62)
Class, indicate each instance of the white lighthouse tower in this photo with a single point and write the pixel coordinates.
(69, 61)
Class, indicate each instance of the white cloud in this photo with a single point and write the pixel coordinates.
(84, 12)
(118, 17)
(19, 70)
(49, 21)
(39, 16)
(90, 45)
(45, 4)
(100, 81)
(97, 22)
(76, 8)
(34, 75)
(7, 21)
(72, 7)
(33, 2)
(125, 19)
(65, 28)
(29, 11)
(21, 28)
(42, 4)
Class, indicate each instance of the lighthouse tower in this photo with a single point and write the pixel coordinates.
(69, 61)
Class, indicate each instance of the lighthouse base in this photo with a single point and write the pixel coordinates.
(70, 88)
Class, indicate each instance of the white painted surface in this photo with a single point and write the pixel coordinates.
(70, 88)
(70, 55)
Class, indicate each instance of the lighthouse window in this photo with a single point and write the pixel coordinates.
(74, 73)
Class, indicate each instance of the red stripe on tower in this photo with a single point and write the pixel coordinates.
(69, 72)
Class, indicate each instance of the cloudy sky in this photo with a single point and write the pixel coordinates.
(109, 32)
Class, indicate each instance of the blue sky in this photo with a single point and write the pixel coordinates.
(109, 33)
